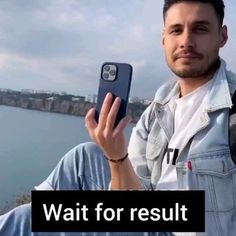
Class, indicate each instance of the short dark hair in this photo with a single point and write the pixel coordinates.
(217, 4)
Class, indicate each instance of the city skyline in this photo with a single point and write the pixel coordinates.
(88, 97)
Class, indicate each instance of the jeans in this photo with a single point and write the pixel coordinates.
(82, 168)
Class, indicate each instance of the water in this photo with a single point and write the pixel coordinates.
(31, 144)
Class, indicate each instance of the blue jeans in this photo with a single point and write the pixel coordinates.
(82, 168)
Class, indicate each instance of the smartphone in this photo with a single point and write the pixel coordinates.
(116, 79)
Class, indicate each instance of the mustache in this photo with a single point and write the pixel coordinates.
(188, 53)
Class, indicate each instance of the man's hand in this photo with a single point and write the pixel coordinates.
(110, 139)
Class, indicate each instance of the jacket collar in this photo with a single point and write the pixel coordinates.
(219, 96)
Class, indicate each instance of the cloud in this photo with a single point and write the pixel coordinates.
(61, 44)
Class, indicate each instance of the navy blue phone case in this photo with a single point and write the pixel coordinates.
(120, 87)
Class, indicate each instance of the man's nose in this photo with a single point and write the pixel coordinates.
(187, 40)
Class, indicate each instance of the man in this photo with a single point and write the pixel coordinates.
(180, 142)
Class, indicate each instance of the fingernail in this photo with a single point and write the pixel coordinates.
(118, 99)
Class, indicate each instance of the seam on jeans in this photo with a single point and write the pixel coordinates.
(217, 217)
(91, 180)
(222, 211)
(234, 189)
(216, 174)
(211, 154)
(213, 202)
(214, 193)
(211, 193)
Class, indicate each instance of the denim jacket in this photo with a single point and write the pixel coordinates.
(212, 167)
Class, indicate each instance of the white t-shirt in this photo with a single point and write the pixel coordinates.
(187, 110)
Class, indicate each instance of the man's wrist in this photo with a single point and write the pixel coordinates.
(117, 160)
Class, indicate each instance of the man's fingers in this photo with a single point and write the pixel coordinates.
(111, 118)
(121, 126)
(106, 106)
(90, 121)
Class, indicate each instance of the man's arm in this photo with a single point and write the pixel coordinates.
(123, 176)
(113, 143)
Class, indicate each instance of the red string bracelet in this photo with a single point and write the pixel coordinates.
(118, 160)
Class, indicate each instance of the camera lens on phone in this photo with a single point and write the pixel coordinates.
(105, 75)
(112, 72)
(106, 68)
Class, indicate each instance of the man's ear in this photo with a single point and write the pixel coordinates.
(163, 38)
(163, 41)
(224, 36)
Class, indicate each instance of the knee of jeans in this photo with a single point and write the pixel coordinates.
(24, 209)
(82, 154)
(89, 148)
(91, 154)
(22, 212)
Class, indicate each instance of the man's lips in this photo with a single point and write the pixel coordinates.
(188, 55)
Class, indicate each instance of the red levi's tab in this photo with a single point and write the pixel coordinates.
(190, 165)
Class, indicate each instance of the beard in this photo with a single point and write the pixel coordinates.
(201, 71)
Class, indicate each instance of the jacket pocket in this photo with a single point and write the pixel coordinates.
(154, 156)
(156, 144)
(216, 174)
(153, 149)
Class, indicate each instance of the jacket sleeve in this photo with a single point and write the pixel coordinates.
(137, 147)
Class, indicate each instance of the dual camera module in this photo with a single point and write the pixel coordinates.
(109, 72)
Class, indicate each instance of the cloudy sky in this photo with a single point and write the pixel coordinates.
(60, 44)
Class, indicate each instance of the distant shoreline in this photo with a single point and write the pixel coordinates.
(20, 200)
(63, 104)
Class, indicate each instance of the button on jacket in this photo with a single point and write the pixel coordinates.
(207, 152)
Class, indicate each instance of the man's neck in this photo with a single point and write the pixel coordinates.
(188, 85)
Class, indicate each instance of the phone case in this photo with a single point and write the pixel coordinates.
(119, 87)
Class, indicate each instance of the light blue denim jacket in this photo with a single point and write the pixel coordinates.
(213, 169)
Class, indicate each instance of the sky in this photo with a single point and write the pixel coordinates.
(60, 45)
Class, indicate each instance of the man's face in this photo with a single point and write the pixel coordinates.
(192, 38)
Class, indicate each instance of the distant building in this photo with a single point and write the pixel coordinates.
(42, 92)
(147, 102)
(140, 100)
(5, 90)
(51, 98)
(75, 99)
(62, 93)
(28, 91)
(135, 100)
(78, 99)
(91, 98)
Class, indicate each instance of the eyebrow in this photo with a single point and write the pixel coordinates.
(202, 22)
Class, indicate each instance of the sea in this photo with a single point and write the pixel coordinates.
(31, 144)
